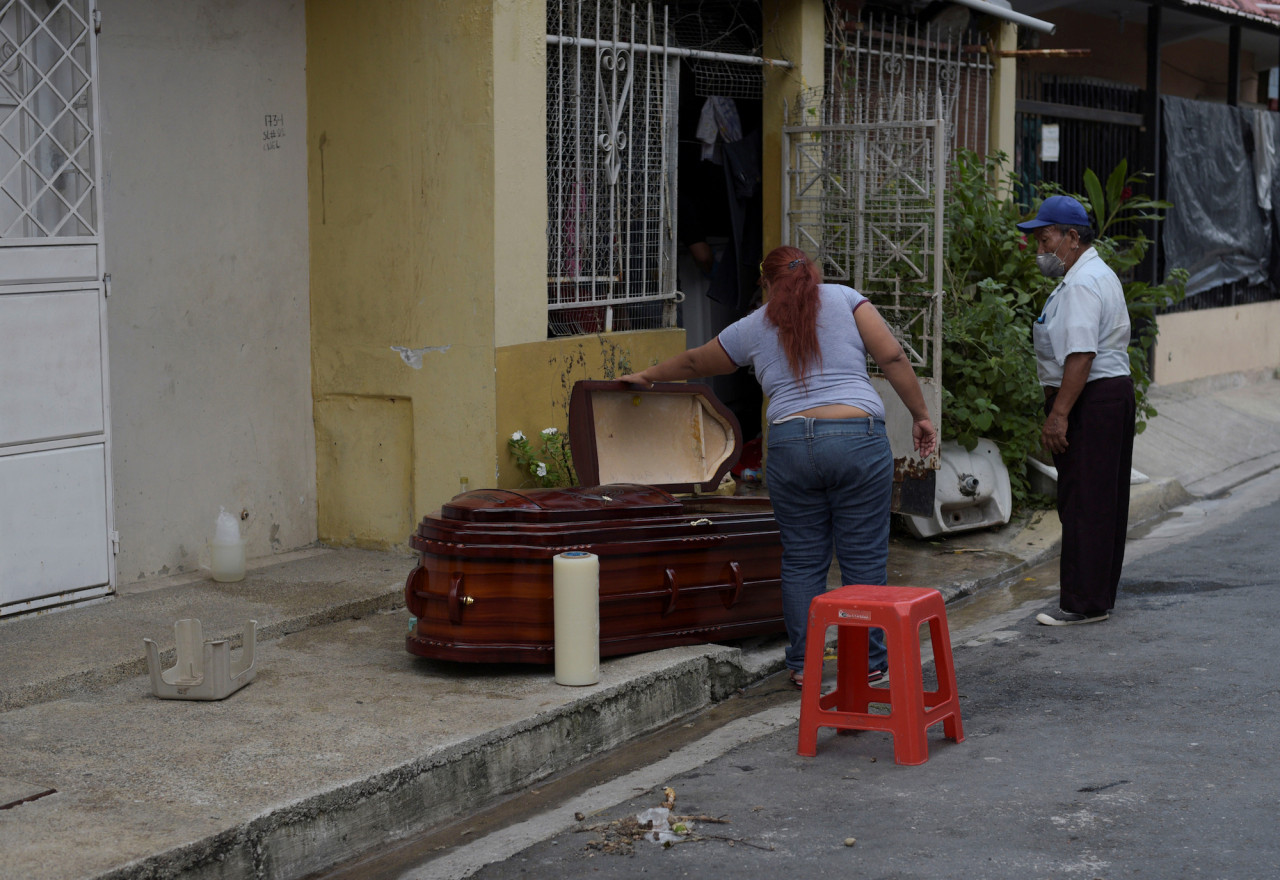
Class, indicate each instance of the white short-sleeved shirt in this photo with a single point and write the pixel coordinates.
(1085, 313)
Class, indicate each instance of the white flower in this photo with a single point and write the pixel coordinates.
(547, 432)
(540, 469)
(518, 436)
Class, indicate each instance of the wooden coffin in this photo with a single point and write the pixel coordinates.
(674, 569)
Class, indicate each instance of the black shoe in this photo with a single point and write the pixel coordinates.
(875, 676)
(1069, 618)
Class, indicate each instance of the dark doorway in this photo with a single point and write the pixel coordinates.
(719, 206)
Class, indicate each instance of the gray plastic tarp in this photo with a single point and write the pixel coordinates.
(1220, 177)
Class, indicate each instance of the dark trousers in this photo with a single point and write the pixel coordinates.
(1093, 493)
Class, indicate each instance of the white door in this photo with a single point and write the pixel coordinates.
(56, 539)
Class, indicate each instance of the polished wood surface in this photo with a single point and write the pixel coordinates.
(580, 504)
(672, 571)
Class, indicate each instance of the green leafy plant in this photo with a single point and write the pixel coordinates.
(994, 290)
(551, 465)
(995, 293)
(983, 240)
(988, 367)
(1118, 204)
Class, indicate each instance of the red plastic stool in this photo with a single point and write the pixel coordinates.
(900, 612)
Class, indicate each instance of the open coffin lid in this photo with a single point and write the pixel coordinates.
(674, 436)
(631, 449)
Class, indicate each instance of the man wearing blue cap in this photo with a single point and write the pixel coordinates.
(1082, 359)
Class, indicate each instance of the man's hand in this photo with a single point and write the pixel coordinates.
(703, 256)
(1054, 433)
(1075, 374)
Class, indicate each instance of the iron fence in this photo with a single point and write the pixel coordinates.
(1097, 124)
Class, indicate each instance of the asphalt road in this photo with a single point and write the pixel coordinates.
(1144, 747)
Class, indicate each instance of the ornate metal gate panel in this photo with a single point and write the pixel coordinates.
(866, 201)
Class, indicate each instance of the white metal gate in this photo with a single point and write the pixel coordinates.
(866, 201)
(56, 538)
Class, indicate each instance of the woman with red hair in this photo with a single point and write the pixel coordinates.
(829, 470)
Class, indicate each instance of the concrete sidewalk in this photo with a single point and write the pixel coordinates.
(345, 740)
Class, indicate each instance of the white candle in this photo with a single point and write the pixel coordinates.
(576, 587)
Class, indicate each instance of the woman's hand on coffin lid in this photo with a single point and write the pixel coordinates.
(636, 379)
(708, 359)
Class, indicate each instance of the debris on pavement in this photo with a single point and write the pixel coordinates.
(657, 825)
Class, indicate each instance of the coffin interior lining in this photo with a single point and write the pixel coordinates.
(659, 439)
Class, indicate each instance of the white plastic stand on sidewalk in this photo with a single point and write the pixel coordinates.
(205, 670)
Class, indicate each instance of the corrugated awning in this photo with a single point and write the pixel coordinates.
(1257, 11)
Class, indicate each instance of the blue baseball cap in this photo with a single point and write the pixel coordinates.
(1058, 210)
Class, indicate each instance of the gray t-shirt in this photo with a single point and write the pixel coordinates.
(841, 375)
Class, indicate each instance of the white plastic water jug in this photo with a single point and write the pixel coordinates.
(226, 550)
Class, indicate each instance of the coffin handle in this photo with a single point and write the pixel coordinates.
(673, 585)
(456, 599)
(412, 598)
(731, 597)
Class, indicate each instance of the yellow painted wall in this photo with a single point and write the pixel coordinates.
(366, 461)
(401, 180)
(1193, 345)
(1001, 112)
(520, 165)
(426, 181)
(536, 379)
(794, 31)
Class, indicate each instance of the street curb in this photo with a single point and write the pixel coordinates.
(317, 832)
(1147, 502)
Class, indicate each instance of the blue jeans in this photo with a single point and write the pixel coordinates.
(831, 484)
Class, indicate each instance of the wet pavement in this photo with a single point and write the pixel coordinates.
(345, 743)
(1138, 747)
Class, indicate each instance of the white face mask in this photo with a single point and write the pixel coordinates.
(1051, 265)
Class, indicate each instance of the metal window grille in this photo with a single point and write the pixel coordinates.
(1100, 123)
(611, 125)
(867, 160)
(725, 32)
(881, 68)
(47, 162)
